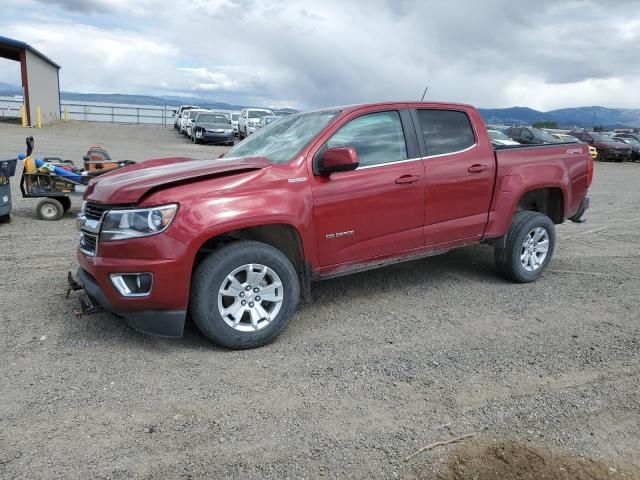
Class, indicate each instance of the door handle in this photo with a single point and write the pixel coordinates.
(477, 168)
(404, 179)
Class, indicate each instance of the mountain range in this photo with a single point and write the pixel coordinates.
(586, 117)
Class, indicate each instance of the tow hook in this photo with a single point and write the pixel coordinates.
(87, 307)
(74, 285)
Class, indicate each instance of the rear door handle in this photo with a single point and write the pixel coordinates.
(477, 168)
(407, 179)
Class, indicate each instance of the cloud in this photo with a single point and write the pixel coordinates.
(99, 6)
(544, 54)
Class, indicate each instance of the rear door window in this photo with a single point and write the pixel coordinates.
(445, 131)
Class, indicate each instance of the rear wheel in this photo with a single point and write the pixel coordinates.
(528, 248)
(50, 209)
(5, 218)
(244, 294)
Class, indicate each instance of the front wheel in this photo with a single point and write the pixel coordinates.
(244, 294)
(528, 249)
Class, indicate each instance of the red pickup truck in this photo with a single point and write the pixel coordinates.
(236, 241)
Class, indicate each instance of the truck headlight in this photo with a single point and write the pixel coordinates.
(142, 222)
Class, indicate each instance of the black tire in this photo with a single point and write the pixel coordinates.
(213, 271)
(5, 218)
(65, 202)
(508, 263)
(600, 156)
(50, 209)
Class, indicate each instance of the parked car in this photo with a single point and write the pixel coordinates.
(212, 128)
(235, 241)
(564, 137)
(178, 113)
(249, 118)
(499, 138)
(633, 136)
(234, 121)
(633, 143)
(188, 122)
(266, 120)
(608, 148)
(530, 135)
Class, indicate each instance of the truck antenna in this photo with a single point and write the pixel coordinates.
(425, 92)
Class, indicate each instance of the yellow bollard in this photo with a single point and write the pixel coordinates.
(66, 114)
(39, 116)
(23, 116)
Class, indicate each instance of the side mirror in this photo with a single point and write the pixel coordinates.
(339, 159)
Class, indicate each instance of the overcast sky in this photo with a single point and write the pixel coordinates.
(491, 53)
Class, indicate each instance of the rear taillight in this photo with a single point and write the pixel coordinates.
(589, 171)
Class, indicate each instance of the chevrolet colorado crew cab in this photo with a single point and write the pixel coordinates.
(234, 242)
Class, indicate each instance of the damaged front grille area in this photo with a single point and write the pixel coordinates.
(88, 243)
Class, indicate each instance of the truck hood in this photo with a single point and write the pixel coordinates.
(130, 184)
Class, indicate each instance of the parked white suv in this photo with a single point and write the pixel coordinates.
(177, 114)
(235, 116)
(249, 118)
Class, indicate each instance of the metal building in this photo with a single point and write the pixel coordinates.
(40, 80)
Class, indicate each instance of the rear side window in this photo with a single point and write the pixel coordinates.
(445, 131)
(377, 137)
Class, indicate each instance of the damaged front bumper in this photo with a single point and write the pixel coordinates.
(166, 323)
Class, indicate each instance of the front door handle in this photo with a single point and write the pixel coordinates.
(404, 179)
(477, 168)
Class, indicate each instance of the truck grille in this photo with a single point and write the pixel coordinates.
(94, 211)
(88, 243)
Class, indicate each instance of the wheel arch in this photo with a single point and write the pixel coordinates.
(281, 236)
(547, 200)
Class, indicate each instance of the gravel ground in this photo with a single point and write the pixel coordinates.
(377, 366)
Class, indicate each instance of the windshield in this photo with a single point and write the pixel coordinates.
(280, 141)
(208, 118)
(235, 116)
(544, 136)
(496, 135)
(601, 137)
(258, 113)
(629, 141)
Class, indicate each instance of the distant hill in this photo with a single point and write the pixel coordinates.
(568, 117)
(7, 89)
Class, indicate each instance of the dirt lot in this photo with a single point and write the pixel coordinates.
(379, 365)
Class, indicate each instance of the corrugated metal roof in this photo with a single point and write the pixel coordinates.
(18, 44)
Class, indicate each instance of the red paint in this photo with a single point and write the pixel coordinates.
(345, 221)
